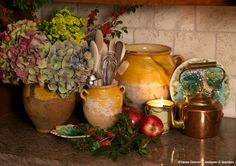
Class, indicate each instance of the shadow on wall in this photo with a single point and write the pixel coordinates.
(12, 100)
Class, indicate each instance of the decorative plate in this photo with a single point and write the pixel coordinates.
(68, 131)
(206, 74)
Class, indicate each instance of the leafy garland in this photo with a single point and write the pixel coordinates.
(122, 138)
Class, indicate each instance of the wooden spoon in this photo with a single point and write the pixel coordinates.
(122, 53)
(121, 70)
(97, 57)
(99, 40)
(112, 46)
(118, 51)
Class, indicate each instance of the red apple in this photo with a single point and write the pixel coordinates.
(134, 114)
(151, 126)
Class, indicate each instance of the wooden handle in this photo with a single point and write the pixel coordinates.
(121, 70)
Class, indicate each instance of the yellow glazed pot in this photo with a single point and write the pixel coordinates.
(148, 74)
(46, 109)
(101, 104)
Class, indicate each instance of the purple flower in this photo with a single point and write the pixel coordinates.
(75, 61)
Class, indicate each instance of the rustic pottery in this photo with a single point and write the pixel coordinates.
(148, 74)
(206, 73)
(101, 104)
(46, 109)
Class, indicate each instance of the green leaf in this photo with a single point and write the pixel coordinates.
(118, 33)
(126, 148)
(130, 130)
(103, 150)
(143, 151)
(118, 22)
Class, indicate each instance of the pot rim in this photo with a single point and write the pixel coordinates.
(147, 48)
(103, 86)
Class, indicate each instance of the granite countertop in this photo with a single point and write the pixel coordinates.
(21, 144)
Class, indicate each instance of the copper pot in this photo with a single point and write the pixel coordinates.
(200, 117)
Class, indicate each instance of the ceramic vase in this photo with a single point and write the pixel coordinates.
(101, 104)
(148, 75)
(46, 109)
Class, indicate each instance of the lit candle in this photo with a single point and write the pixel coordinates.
(160, 108)
(162, 102)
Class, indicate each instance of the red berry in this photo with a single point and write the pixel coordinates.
(106, 143)
(109, 134)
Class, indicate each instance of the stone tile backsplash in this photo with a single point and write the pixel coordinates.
(192, 31)
(171, 17)
(154, 36)
(195, 44)
(216, 18)
(226, 51)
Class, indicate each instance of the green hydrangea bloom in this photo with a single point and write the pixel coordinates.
(64, 26)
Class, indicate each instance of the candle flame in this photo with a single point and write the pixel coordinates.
(162, 102)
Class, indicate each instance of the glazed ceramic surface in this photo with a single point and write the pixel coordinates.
(68, 131)
(148, 75)
(46, 109)
(101, 104)
(213, 80)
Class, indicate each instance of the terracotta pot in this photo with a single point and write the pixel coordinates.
(148, 74)
(46, 109)
(102, 103)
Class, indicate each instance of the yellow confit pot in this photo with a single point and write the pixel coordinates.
(101, 104)
(149, 72)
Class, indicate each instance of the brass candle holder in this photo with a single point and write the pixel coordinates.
(162, 109)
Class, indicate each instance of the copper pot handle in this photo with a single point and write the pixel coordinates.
(218, 119)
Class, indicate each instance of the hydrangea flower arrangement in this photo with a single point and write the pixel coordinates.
(30, 55)
(68, 67)
(55, 53)
(23, 52)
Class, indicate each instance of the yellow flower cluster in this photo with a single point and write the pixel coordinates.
(65, 26)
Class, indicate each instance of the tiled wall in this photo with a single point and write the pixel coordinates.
(192, 31)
